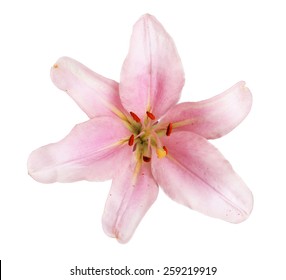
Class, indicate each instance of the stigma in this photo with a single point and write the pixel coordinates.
(161, 152)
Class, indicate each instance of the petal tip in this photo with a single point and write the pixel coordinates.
(121, 239)
(37, 166)
(244, 88)
(56, 73)
(62, 60)
(245, 211)
(146, 16)
(114, 233)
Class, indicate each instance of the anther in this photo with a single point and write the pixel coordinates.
(165, 149)
(134, 147)
(150, 115)
(146, 159)
(169, 129)
(131, 140)
(135, 117)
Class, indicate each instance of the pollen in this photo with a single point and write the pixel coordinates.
(56, 66)
(135, 117)
(150, 116)
(161, 152)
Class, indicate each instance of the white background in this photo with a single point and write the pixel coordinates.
(48, 229)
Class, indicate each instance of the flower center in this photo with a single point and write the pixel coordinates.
(146, 136)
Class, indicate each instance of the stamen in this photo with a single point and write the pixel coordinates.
(165, 149)
(135, 117)
(169, 129)
(131, 140)
(146, 159)
(150, 115)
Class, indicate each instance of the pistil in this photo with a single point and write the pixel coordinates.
(161, 152)
(146, 136)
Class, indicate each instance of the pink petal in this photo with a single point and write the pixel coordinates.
(214, 117)
(195, 174)
(91, 151)
(95, 95)
(152, 75)
(129, 199)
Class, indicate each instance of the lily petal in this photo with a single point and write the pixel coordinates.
(95, 94)
(91, 151)
(195, 174)
(152, 75)
(129, 199)
(214, 117)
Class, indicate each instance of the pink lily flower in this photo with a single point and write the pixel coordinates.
(138, 137)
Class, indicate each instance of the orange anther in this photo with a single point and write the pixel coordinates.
(135, 117)
(150, 115)
(165, 149)
(169, 129)
(131, 140)
(146, 159)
